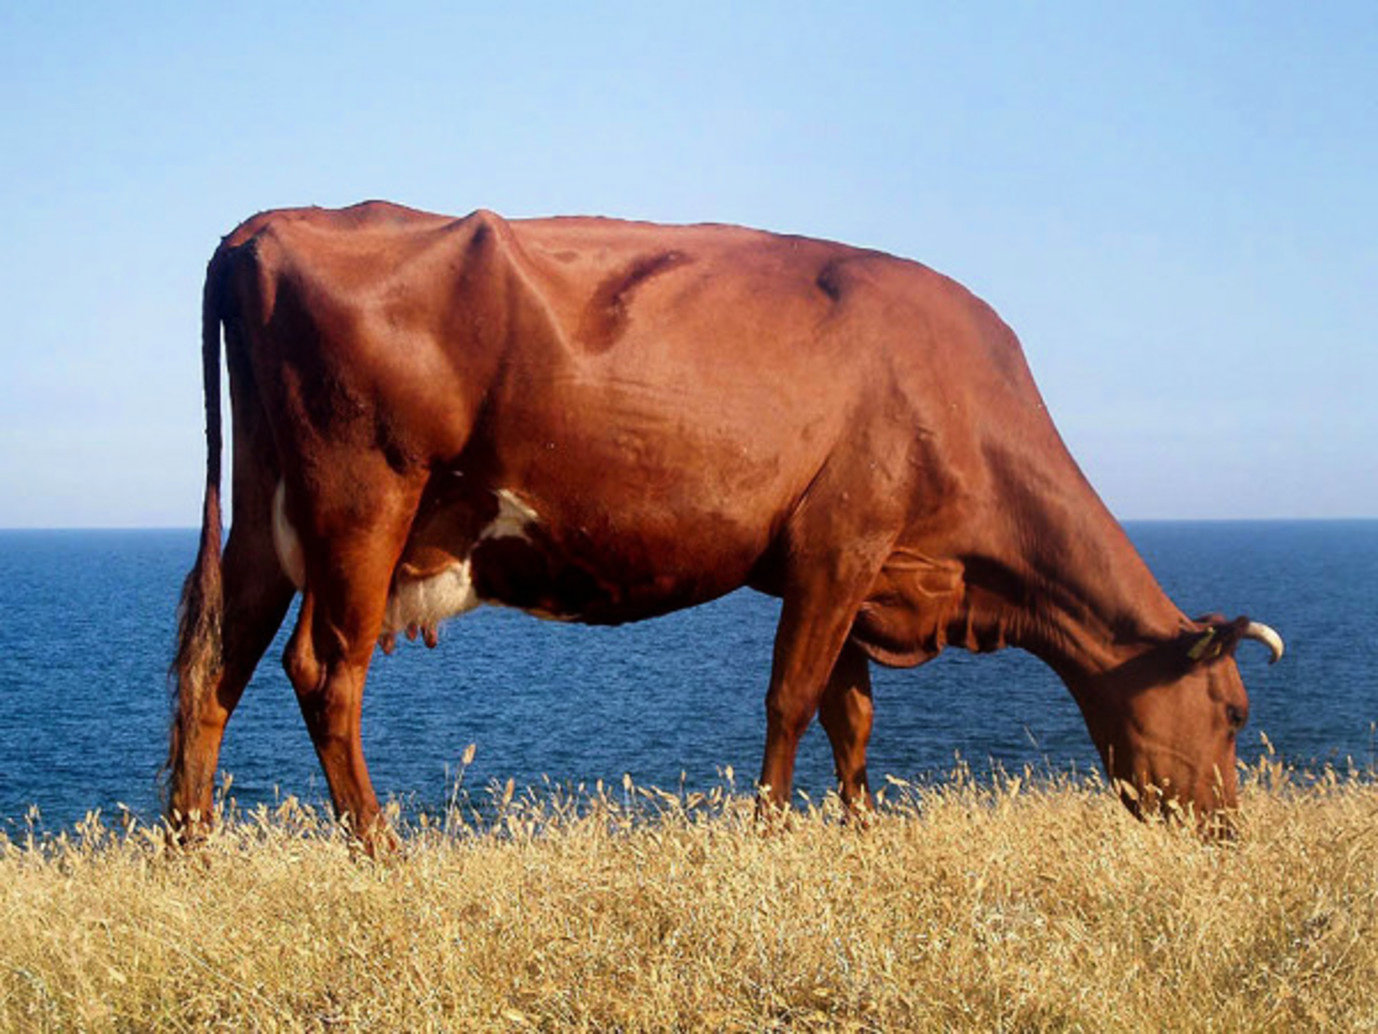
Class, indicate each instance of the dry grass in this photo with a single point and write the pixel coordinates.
(1000, 904)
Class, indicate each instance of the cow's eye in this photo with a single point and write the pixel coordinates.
(1236, 716)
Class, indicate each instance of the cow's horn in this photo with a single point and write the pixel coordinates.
(1264, 634)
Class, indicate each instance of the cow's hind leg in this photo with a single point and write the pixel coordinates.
(845, 713)
(348, 573)
(256, 597)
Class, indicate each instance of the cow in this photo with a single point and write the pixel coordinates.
(601, 421)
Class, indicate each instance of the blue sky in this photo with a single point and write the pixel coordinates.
(1173, 204)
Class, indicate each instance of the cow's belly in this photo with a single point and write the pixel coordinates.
(518, 557)
(493, 547)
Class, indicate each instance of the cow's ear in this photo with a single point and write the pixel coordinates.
(1204, 646)
(1219, 638)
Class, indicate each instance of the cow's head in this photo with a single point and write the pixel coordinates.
(1166, 722)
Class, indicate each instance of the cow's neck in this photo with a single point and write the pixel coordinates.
(1068, 586)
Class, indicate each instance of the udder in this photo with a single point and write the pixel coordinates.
(429, 586)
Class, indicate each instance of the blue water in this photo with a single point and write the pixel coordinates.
(87, 621)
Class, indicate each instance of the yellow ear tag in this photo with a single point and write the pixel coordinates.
(1201, 645)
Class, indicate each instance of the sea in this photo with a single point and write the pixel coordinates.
(87, 621)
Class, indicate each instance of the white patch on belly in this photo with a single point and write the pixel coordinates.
(425, 602)
(513, 519)
(286, 541)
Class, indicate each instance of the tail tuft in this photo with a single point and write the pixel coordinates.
(198, 661)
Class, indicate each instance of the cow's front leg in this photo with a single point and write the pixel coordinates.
(845, 713)
(834, 545)
(808, 642)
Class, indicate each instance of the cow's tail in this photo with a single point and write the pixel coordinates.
(197, 663)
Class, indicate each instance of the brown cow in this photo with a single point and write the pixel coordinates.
(602, 421)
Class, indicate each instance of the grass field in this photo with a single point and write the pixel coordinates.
(1005, 903)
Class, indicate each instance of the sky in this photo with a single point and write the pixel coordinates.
(1173, 204)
